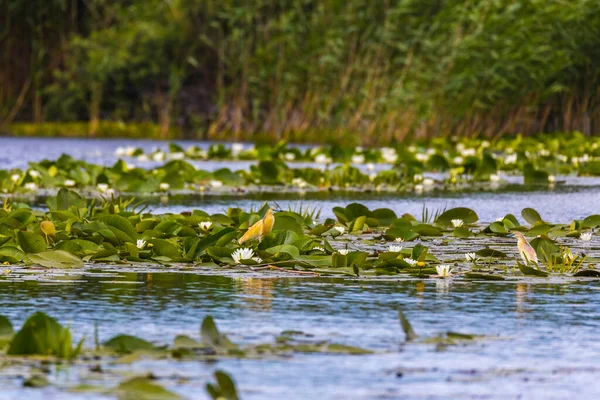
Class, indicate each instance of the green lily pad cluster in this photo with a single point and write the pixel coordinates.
(358, 242)
(538, 158)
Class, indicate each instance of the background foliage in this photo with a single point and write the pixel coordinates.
(304, 70)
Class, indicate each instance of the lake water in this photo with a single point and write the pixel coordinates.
(542, 338)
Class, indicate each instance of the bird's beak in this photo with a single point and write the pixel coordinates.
(277, 210)
(511, 235)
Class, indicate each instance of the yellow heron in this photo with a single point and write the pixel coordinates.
(527, 252)
(260, 229)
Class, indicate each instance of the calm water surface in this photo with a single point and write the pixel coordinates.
(543, 338)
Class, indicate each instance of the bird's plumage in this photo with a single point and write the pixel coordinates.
(527, 252)
(260, 229)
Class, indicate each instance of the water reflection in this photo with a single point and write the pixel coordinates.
(257, 293)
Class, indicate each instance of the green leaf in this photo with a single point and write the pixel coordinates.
(56, 259)
(483, 277)
(406, 327)
(526, 270)
(11, 254)
(285, 248)
(142, 388)
(43, 335)
(127, 344)
(31, 242)
(531, 216)
(467, 215)
(121, 225)
(165, 248)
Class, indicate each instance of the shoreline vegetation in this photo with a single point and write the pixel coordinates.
(366, 73)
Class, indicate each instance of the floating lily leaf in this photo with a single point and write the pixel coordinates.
(462, 232)
(526, 270)
(56, 259)
(592, 221)
(497, 227)
(224, 387)
(285, 248)
(165, 248)
(121, 227)
(128, 344)
(487, 252)
(142, 388)
(11, 254)
(588, 273)
(185, 342)
(211, 335)
(406, 327)
(385, 216)
(427, 230)
(483, 277)
(467, 215)
(36, 381)
(43, 335)
(531, 216)
(31, 242)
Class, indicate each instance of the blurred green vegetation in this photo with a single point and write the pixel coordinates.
(369, 72)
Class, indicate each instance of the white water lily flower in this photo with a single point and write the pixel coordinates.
(586, 237)
(34, 174)
(340, 229)
(257, 259)
(458, 160)
(322, 159)
(411, 261)
(158, 156)
(370, 167)
(69, 183)
(110, 191)
(215, 184)
(372, 176)
(457, 223)
(102, 187)
(510, 159)
(472, 257)
(243, 253)
(177, 155)
(319, 249)
(141, 243)
(551, 179)
(418, 188)
(417, 178)
(15, 177)
(343, 251)
(468, 152)
(129, 166)
(358, 159)
(31, 186)
(395, 249)
(236, 149)
(143, 158)
(422, 157)
(494, 178)
(205, 225)
(443, 270)
(399, 240)
(129, 151)
(427, 181)
(389, 155)
(164, 186)
(289, 156)
(120, 151)
(499, 219)
(301, 183)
